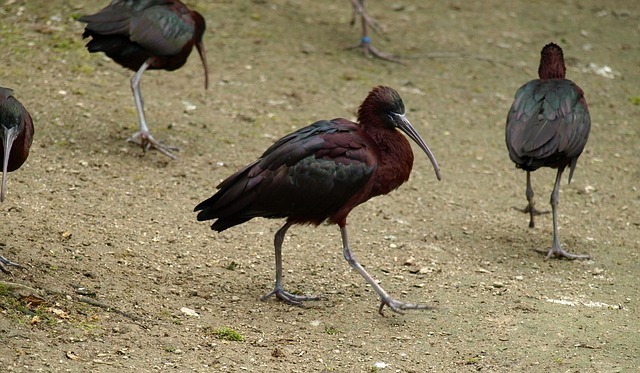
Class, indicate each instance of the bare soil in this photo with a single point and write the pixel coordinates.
(119, 275)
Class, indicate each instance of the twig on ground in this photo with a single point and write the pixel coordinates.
(435, 55)
(24, 291)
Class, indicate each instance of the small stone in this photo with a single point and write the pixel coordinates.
(380, 365)
(188, 106)
(189, 312)
(308, 48)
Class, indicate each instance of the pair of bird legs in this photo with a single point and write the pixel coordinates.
(280, 293)
(143, 137)
(556, 249)
(365, 42)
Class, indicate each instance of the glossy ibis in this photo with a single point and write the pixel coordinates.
(548, 126)
(321, 172)
(365, 41)
(146, 34)
(17, 135)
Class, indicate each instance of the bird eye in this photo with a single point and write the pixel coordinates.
(393, 117)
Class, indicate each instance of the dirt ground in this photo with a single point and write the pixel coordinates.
(126, 278)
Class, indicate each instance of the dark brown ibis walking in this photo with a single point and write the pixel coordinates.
(146, 34)
(548, 126)
(17, 135)
(321, 172)
(365, 42)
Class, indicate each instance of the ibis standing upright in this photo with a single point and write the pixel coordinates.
(548, 126)
(146, 34)
(16, 131)
(321, 172)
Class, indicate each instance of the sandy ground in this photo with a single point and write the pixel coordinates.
(120, 275)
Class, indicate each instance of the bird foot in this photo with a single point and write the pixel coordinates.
(536, 212)
(4, 262)
(398, 306)
(371, 51)
(146, 141)
(559, 252)
(295, 300)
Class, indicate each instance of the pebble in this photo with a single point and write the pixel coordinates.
(189, 312)
(380, 365)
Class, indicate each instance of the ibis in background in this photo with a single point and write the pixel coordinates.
(548, 126)
(142, 35)
(17, 136)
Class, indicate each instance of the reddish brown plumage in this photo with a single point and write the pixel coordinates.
(16, 136)
(548, 125)
(16, 132)
(321, 172)
(147, 34)
(368, 158)
(551, 62)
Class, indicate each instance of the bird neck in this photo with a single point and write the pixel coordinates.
(552, 67)
(395, 160)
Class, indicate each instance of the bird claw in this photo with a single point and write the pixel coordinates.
(371, 51)
(528, 210)
(561, 253)
(536, 212)
(295, 300)
(398, 306)
(146, 141)
(4, 262)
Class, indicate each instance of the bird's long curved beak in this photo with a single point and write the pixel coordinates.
(403, 123)
(203, 57)
(8, 136)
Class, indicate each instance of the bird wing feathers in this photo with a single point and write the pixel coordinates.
(548, 122)
(154, 25)
(5, 93)
(161, 31)
(307, 176)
